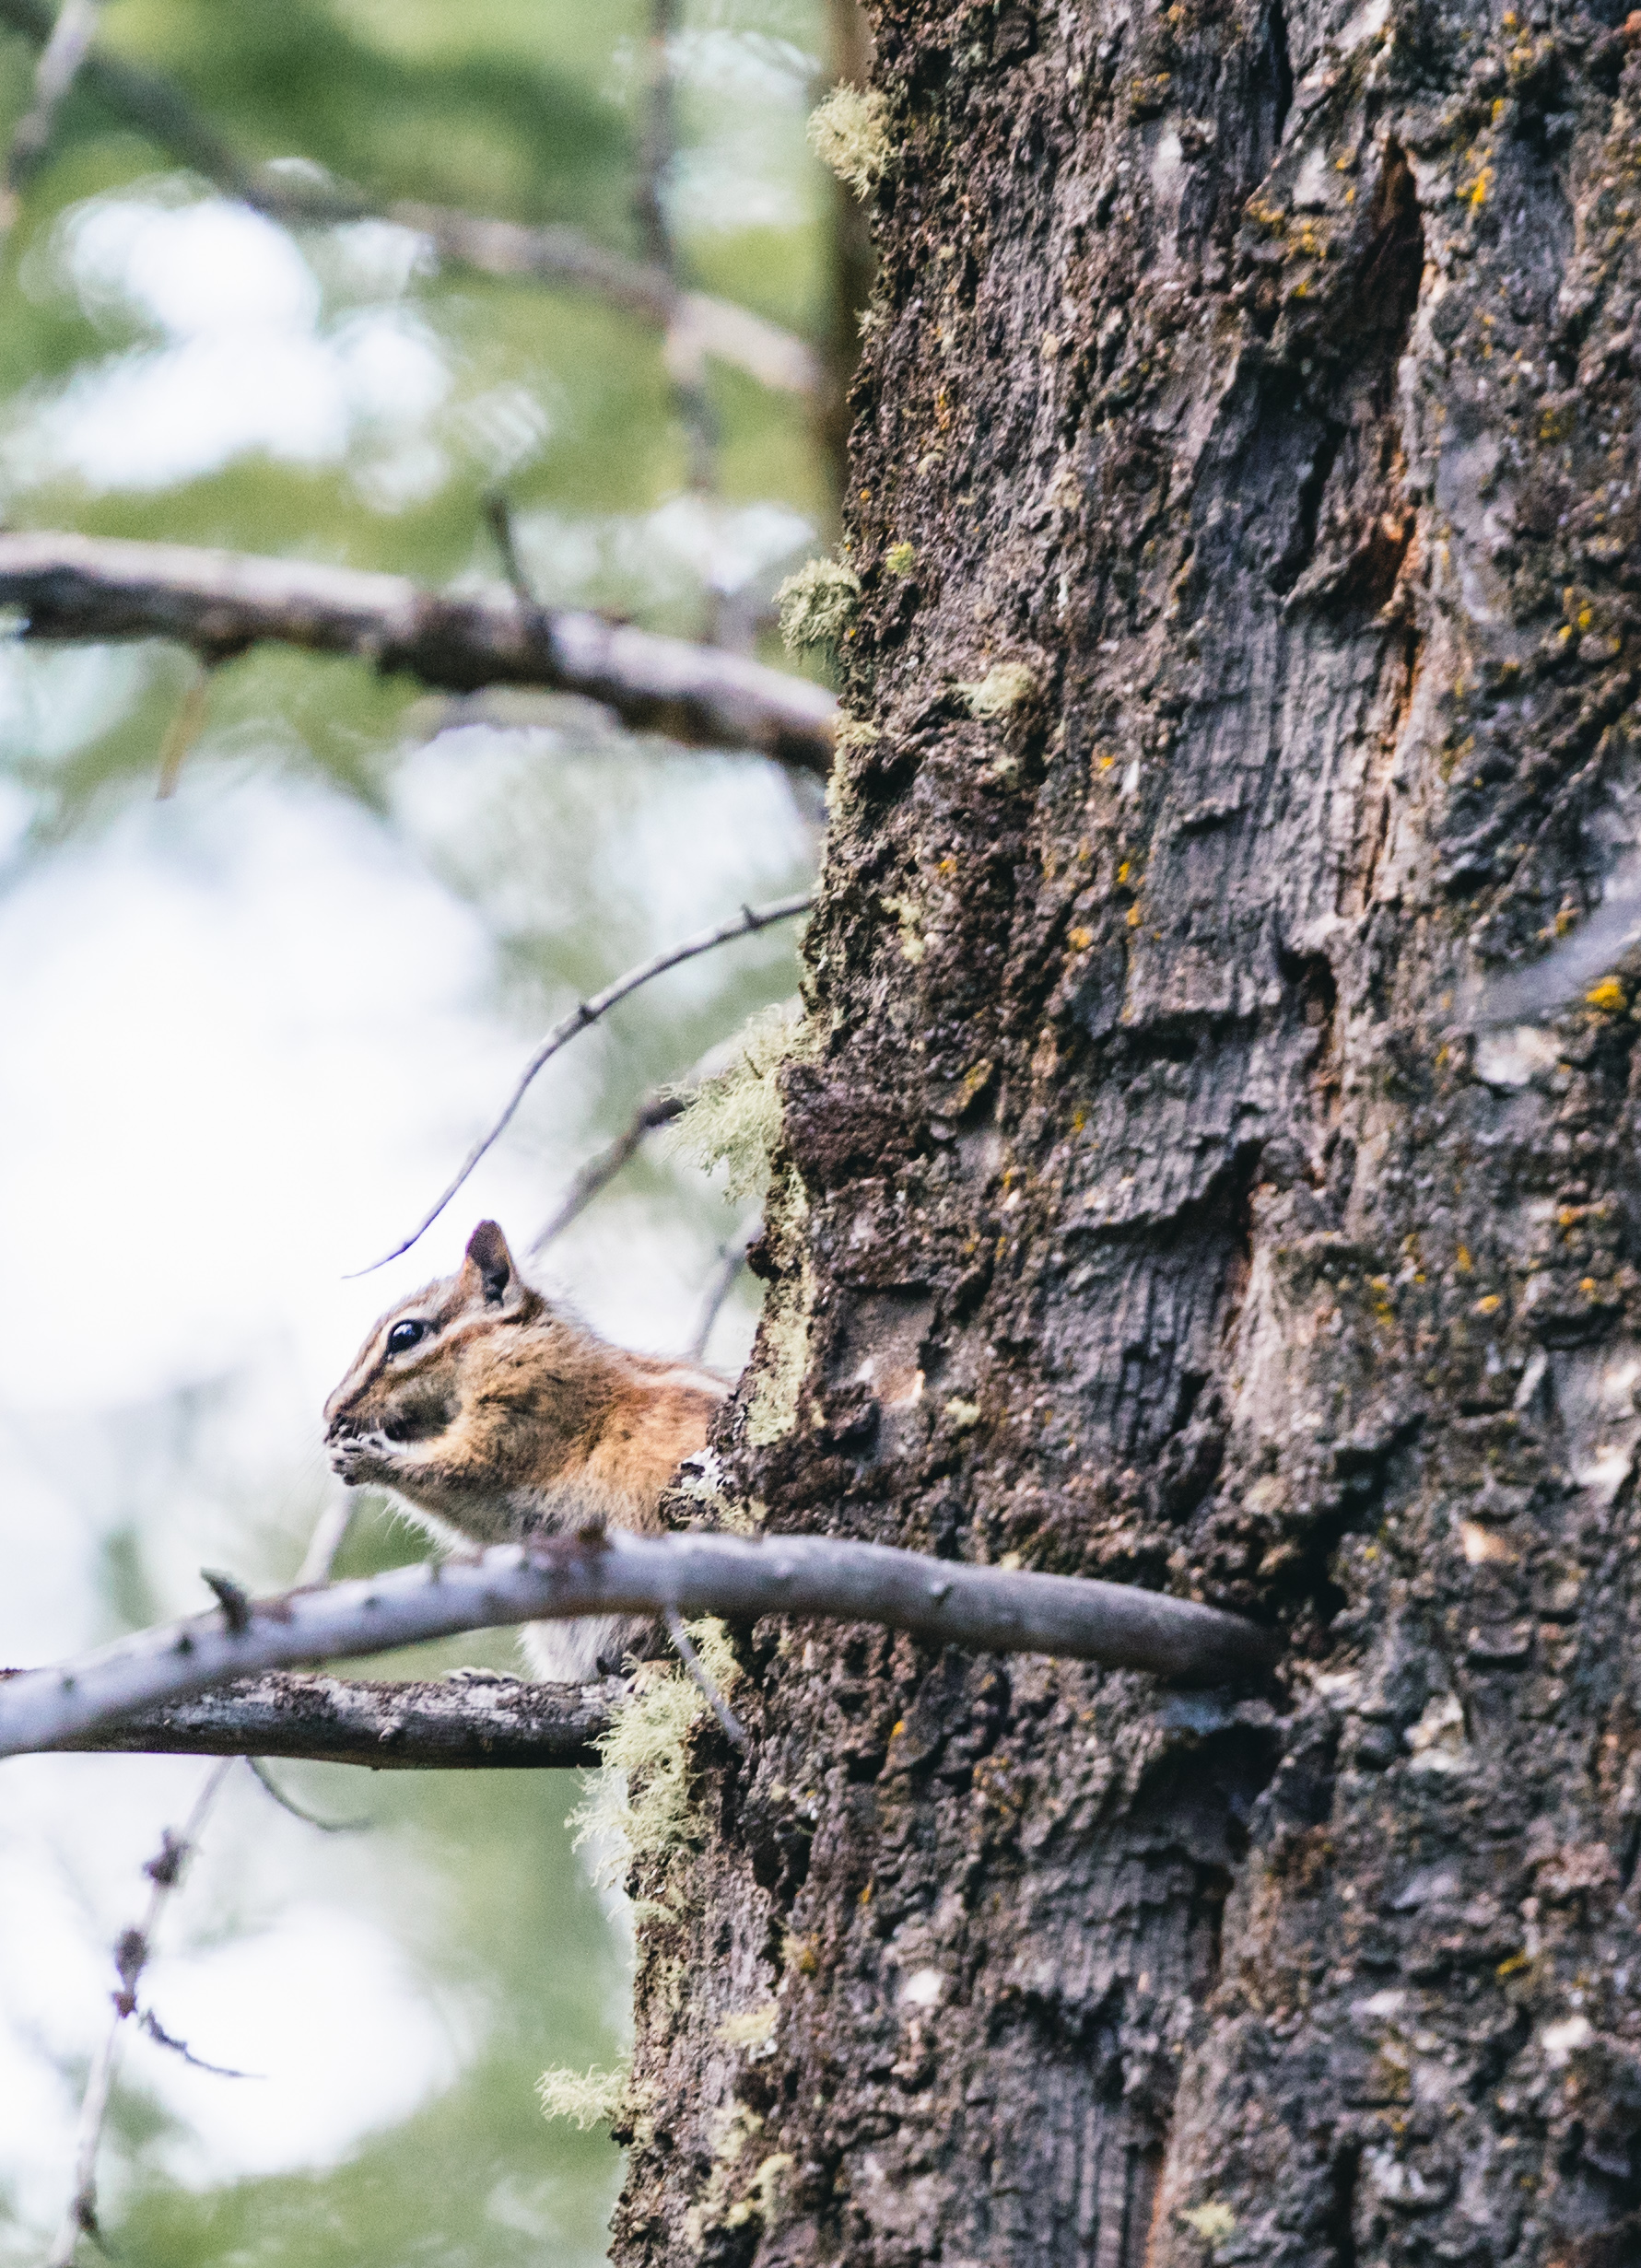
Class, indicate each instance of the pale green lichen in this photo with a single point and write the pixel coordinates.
(751, 2026)
(733, 1119)
(1002, 689)
(781, 1355)
(1213, 2223)
(908, 920)
(854, 733)
(900, 558)
(783, 1345)
(641, 1805)
(817, 604)
(849, 133)
(587, 2098)
(762, 2202)
(964, 1415)
(718, 2207)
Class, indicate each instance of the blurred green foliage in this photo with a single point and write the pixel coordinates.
(527, 110)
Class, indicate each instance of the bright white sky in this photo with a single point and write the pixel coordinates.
(242, 1040)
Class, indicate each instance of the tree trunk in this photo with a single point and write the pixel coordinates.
(1256, 395)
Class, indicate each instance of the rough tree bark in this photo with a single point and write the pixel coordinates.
(1258, 394)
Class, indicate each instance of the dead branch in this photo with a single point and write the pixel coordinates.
(59, 61)
(746, 923)
(988, 1608)
(414, 1725)
(220, 602)
(720, 1283)
(131, 1950)
(499, 248)
(655, 1110)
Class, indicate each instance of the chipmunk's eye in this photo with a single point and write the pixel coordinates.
(405, 1334)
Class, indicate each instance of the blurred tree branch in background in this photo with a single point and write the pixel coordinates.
(697, 324)
(219, 603)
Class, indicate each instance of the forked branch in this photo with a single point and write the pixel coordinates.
(945, 1601)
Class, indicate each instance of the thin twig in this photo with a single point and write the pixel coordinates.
(656, 1110)
(181, 734)
(221, 603)
(746, 923)
(507, 249)
(131, 1957)
(719, 1284)
(270, 1786)
(992, 1609)
(54, 71)
(149, 2023)
(703, 1676)
(499, 512)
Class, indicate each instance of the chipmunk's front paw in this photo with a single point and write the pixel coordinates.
(358, 1458)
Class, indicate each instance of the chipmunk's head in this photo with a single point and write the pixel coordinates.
(426, 1361)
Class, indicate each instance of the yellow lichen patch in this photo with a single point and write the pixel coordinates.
(1490, 1305)
(1609, 995)
(848, 132)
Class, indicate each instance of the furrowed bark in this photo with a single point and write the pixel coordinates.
(220, 602)
(1244, 499)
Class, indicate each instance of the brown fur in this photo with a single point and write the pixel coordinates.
(507, 1421)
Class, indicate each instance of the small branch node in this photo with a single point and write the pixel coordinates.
(234, 1599)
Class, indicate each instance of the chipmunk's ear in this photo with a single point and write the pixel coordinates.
(490, 1263)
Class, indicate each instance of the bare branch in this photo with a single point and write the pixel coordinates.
(746, 923)
(505, 249)
(615, 1572)
(719, 1284)
(655, 1110)
(59, 60)
(386, 1724)
(220, 602)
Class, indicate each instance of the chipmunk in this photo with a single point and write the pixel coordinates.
(494, 1418)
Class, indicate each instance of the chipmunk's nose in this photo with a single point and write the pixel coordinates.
(335, 1412)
